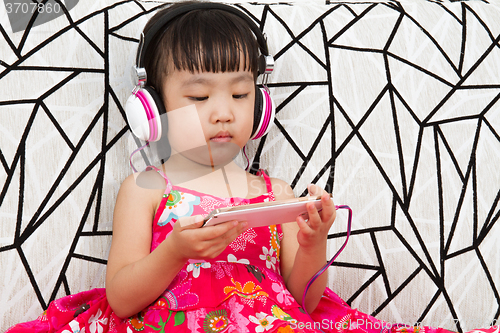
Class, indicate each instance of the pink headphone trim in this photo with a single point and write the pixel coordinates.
(153, 134)
(267, 114)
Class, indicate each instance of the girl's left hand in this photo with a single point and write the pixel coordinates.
(314, 231)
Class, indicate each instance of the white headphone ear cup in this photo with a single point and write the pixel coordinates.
(143, 116)
(267, 112)
(137, 118)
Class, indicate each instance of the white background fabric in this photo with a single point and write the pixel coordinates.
(393, 106)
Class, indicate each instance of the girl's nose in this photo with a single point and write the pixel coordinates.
(221, 112)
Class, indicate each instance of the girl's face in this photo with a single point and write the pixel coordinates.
(210, 115)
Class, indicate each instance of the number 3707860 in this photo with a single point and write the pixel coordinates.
(25, 8)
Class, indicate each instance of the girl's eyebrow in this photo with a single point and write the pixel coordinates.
(197, 79)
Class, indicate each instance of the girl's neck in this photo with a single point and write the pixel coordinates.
(227, 180)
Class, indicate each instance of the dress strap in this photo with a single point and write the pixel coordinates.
(267, 179)
(168, 188)
(164, 199)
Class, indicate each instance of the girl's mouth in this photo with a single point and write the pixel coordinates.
(222, 136)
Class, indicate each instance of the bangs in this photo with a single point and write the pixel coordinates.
(207, 42)
(203, 41)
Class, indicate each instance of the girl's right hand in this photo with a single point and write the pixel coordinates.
(189, 240)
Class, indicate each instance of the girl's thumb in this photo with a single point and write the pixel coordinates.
(191, 221)
(312, 189)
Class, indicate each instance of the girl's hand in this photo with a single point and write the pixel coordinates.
(313, 232)
(190, 241)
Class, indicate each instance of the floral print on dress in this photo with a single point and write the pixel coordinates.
(268, 257)
(208, 203)
(345, 323)
(264, 321)
(193, 319)
(98, 322)
(216, 321)
(232, 258)
(75, 327)
(241, 242)
(196, 267)
(256, 272)
(227, 319)
(173, 318)
(248, 291)
(280, 314)
(275, 240)
(282, 295)
(179, 204)
(236, 316)
(180, 296)
(286, 329)
(137, 321)
(222, 269)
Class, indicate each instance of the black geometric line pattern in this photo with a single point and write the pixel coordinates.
(393, 106)
(435, 124)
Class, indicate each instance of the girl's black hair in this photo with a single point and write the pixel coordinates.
(203, 40)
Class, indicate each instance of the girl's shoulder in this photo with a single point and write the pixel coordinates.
(145, 188)
(281, 189)
(260, 184)
(145, 180)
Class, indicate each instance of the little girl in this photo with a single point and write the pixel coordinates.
(167, 273)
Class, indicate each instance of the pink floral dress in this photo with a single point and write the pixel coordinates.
(239, 291)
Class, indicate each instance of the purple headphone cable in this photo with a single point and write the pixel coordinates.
(328, 264)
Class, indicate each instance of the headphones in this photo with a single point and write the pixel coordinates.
(145, 106)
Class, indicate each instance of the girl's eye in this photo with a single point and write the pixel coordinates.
(198, 99)
(241, 96)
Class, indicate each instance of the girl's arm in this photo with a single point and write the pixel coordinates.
(303, 251)
(135, 276)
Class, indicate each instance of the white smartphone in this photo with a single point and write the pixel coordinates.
(265, 213)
